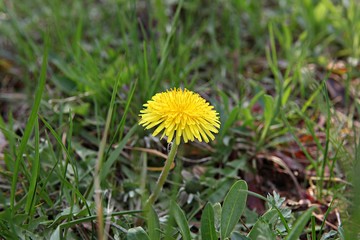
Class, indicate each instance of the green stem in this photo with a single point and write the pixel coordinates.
(163, 175)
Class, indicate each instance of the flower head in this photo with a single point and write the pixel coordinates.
(180, 113)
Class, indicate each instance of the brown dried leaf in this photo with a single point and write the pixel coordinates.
(337, 67)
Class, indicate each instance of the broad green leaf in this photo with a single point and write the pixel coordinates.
(234, 205)
(238, 236)
(320, 12)
(262, 226)
(66, 213)
(217, 215)
(329, 235)
(341, 232)
(207, 223)
(220, 191)
(56, 234)
(181, 221)
(153, 224)
(299, 225)
(137, 233)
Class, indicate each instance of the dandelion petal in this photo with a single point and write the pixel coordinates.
(180, 113)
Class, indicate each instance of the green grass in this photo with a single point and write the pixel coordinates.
(75, 74)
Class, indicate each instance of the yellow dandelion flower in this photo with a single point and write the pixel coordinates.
(180, 113)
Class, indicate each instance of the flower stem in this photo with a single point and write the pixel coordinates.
(163, 175)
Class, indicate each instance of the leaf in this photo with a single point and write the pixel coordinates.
(208, 224)
(220, 191)
(31, 197)
(321, 12)
(64, 83)
(329, 235)
(30, 123)
(181, 221)
(286, 95)
(153, 224)
(268, 109)
(217, 214)
(262, 226)
(234, 205)
(299, 225)
(115, 154)
(238, 236)
(66, 213)
(56, 234)
(137, 233)
(3, 142)
(91, 218)
(268, 114)
(230, 120)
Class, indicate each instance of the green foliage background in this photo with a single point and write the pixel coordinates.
(61, 60)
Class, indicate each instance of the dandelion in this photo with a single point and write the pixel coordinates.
(180, 113)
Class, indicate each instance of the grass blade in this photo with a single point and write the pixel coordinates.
(268, 116)
(64, 181)
(30, 124)
(99, 162)
(120, 128)
(93, 217)
(165, 52)
(34, 174)
(114, 155)
(327, 141)
(299, 225)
